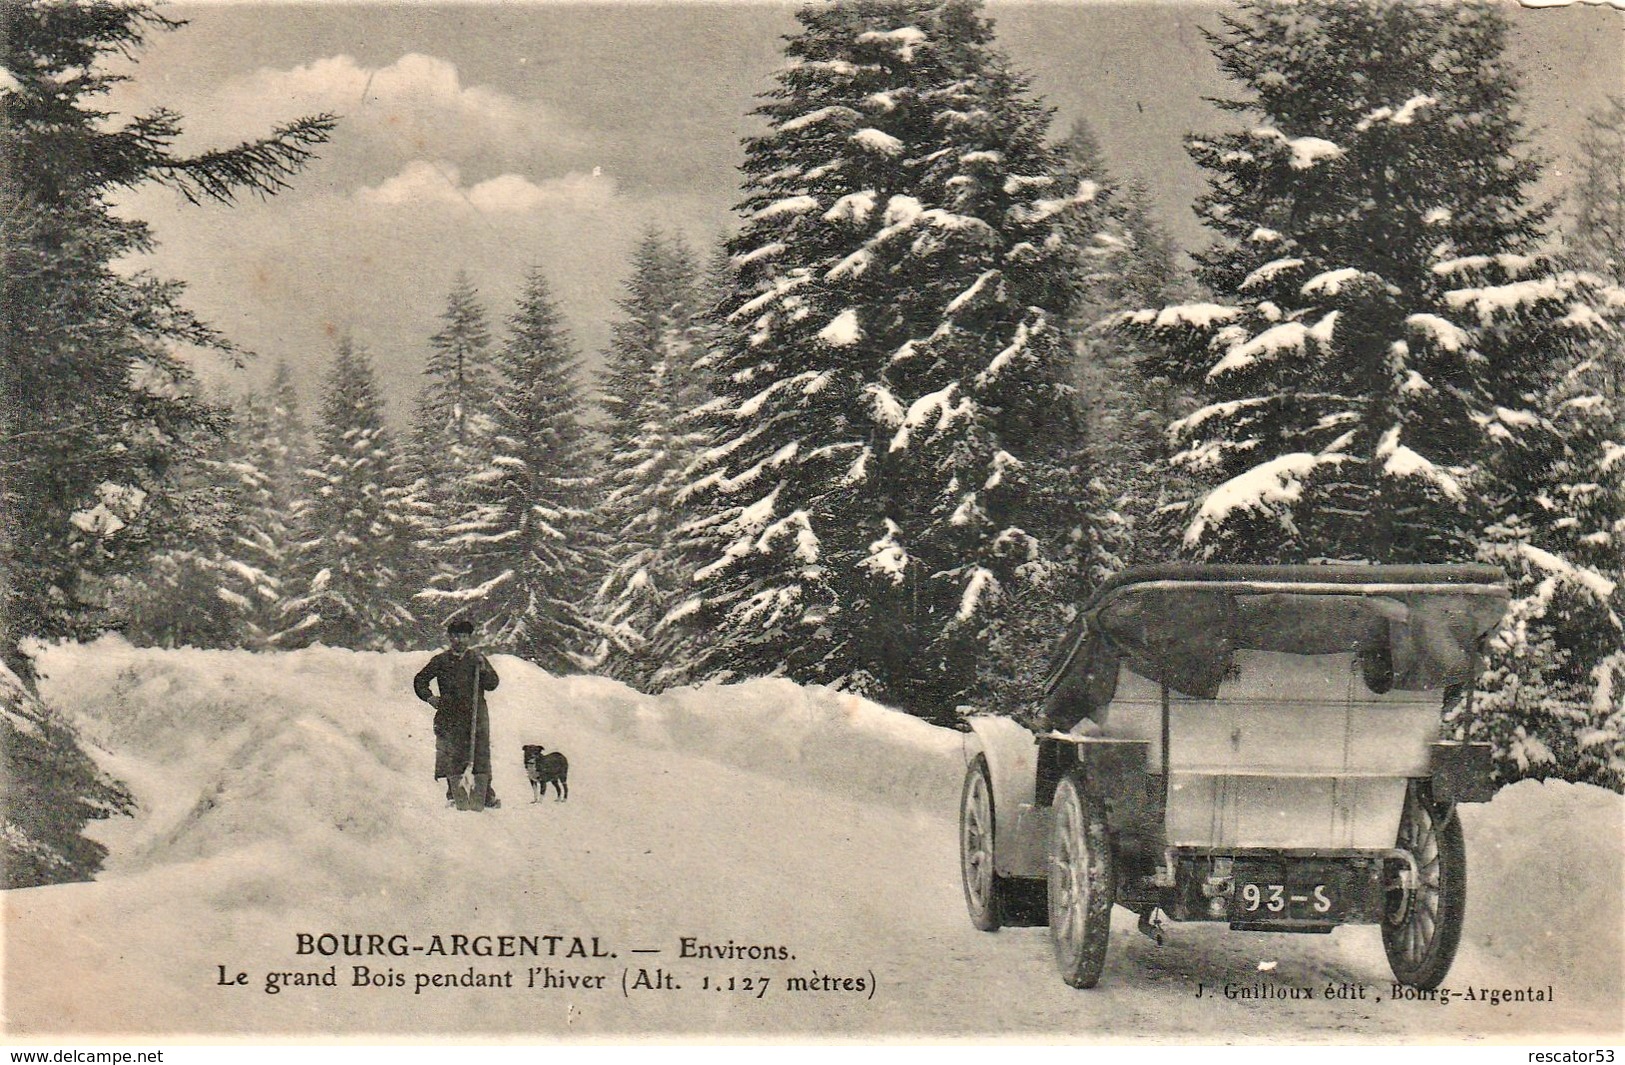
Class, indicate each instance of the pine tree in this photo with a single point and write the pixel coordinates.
(1554, 698)
(1128, 264)
(1553, 693)
(267, 461)
(95, 409)
(648, 389)
(459, 370)
(357, 528)
(520, 557)
(899, 445)
(1599, 194)
(180, 595)
(451, 429)
(1379, 326)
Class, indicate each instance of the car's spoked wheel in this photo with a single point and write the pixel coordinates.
(1082, 884)
(1422, 927)
(976, 847)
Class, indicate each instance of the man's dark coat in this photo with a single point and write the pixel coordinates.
(462, 700)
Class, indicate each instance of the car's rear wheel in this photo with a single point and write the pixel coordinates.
(1422, 926)
(1082, 883)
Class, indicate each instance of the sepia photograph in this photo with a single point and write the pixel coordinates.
(906, 521)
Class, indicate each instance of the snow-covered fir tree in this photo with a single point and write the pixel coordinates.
(358, 526)
(1598, 236)
(451, 426)
(519, 559)
(96, 407)
(1377, 356)
(1378, 326)
(650, 390)
(267, 461)
(898, 445)
(459, 375)
(1554, 697)
(221, 585)
(1128, 263)
(181, 595)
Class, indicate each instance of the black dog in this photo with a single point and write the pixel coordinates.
(544, 769)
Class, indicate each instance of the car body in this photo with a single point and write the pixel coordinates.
(1257, 745)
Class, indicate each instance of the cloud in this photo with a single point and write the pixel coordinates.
(422, 183)
(415, 107)
(285, 276)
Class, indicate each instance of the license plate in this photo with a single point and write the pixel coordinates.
(1258, 900)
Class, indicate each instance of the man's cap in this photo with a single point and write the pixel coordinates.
(462, 626)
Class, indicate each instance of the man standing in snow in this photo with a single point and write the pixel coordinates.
(462, 722)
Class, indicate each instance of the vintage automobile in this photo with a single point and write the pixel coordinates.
(1258, 745)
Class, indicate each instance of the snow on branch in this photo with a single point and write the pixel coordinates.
(974, 290)
(780, 287)
(1043, 210)
(852, 266)
(766, 251)
(877, 141)
(969, 510)
(747, 525)
(1331, 282)
(1399, 461)
(886, 557)
(806, 539)
(840, 67)
(1184, 315)
(1014, 184)
(1268, 272)
(1002, 461)
(1286, 337)
(981, 583)
(1445, 334)
(939, 404)
(843, 330)
(904, 40)
(1584, 577)
(1226, 410)
(1403, 115)
(788, 205)
(1491, 301)
(1018, 344)
(823, 114)
(1512, 264)
(770, 605)
(1306, 151)
(1269, 489)
(748, 475)
(854, 207)
(466, 595)
(884, 406)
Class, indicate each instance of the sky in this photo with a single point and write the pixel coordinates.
(496, 138)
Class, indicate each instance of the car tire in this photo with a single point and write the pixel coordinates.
(1421, 929)
(984, 888)
(1082, 883)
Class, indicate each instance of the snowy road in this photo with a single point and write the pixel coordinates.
(292, 796)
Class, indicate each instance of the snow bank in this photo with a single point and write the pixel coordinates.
(1545, 867)
(325, 714)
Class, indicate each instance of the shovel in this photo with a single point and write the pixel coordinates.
(469, 789)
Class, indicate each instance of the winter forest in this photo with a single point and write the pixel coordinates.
(945, 376)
